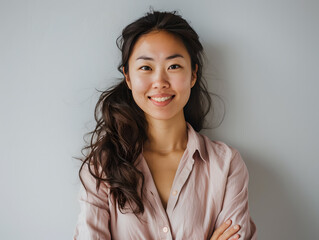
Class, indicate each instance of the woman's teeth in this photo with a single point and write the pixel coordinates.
(162, 99)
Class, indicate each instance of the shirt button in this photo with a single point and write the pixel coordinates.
(175, 193)
(165, 229)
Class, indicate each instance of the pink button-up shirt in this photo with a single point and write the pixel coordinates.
(210, 186)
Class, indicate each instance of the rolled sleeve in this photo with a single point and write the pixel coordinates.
(94, 218)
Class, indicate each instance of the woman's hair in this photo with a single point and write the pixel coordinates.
(117, 140)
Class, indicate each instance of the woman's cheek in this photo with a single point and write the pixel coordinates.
(183, 84)
(142, 85)
(139, 83)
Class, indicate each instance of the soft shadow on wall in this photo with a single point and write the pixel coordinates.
(274, 199)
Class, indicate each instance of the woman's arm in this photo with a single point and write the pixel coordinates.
(235, 202)
(93, 220)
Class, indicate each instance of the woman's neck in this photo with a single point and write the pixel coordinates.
(166, 136)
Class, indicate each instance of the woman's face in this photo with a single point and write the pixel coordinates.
(160, 75)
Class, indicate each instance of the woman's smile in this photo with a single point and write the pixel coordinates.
(161, 99)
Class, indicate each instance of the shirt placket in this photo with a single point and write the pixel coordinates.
(163, 224)
(182, 174)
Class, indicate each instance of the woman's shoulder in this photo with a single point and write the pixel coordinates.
(219, 147)
(200, 140)
(222, 158)
(209, 148)
(88, 176)
(218, 151)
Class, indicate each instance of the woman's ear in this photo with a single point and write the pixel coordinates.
(127, 79)
(194, 76)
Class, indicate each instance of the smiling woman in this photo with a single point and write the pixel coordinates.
(148, 173)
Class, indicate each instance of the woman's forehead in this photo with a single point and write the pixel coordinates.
(159, 45)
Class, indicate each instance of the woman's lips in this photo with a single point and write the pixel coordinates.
(161, 99)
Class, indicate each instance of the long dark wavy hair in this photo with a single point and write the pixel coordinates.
(121, 129)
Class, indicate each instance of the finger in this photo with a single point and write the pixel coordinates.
(219, 231)
(236, 237)
(230, 233)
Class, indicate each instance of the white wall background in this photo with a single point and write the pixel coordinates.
(262, 60)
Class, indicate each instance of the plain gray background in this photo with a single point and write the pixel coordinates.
(262, 59)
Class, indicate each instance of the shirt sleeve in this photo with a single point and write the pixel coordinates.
(94, 218)
(235, 204)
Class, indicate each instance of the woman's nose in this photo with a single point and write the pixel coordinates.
(161, 80)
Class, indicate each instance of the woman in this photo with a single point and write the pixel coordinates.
(148, 173)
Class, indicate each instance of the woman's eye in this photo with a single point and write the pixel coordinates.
(174, 66)
(145, 68)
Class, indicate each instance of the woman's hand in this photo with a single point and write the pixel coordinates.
(221, 233)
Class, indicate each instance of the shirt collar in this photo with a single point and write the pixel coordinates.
(195, 143)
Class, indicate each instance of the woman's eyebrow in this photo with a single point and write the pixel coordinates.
(168, 58)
